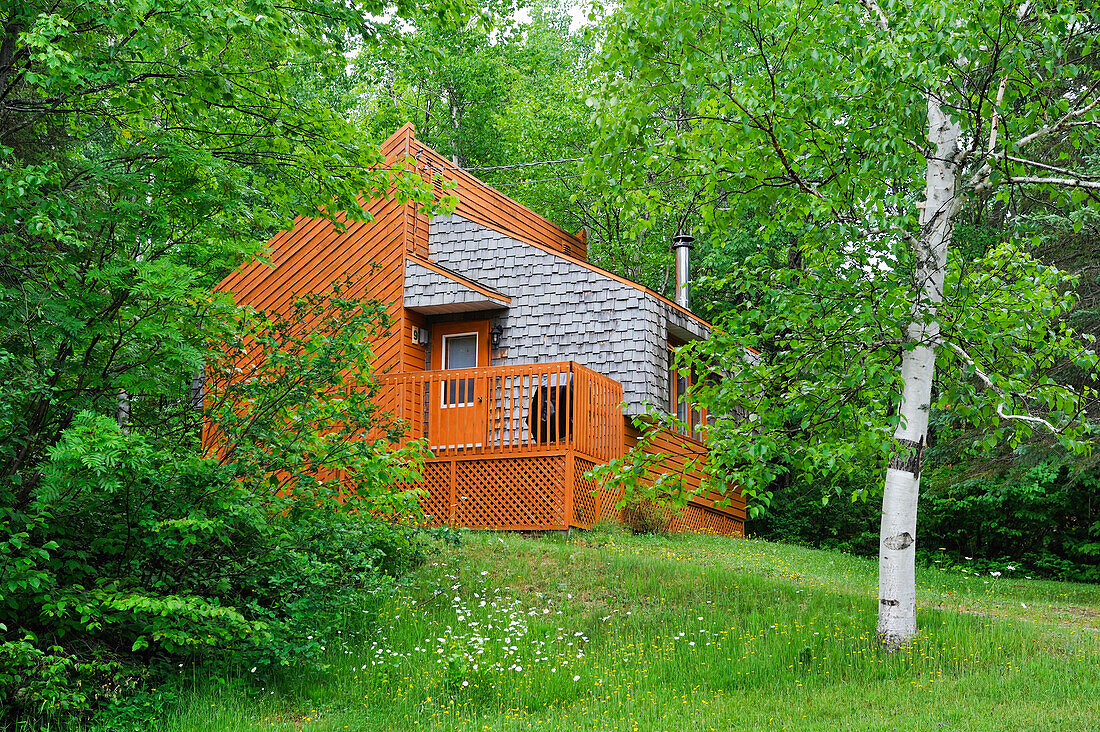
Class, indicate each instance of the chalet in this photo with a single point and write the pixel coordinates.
(521, 363)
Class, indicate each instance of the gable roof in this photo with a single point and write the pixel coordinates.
(485, 205)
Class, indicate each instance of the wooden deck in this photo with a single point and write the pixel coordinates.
(510, 409)
(511, 446)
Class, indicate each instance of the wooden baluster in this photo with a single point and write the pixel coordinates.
(486, 409)
(435, 413)
(572, 396)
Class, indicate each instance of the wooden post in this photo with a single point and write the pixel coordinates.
(452, 497)
(598, 500)
(570, 469)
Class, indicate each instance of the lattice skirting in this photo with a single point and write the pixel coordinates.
(529, 493)
(586, 504)
(697, 519)
(592, 502)
(512, 493)
(692, 518)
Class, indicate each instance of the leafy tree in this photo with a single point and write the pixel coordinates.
(451, 82)
(507, 100)
(145, 149)
(864, 129)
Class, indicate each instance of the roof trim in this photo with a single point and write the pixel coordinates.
(407, 134)
(455, 277)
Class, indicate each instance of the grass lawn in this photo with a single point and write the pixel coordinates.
(608, 631)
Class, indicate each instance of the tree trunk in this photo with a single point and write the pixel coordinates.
(897, 611)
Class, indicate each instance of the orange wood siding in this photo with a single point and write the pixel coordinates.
(479, 203)
(678, 451)
(413, 355)
(312, 255)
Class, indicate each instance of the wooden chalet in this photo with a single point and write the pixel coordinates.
(521, 363)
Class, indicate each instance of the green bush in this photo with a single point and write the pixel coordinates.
(128, 553)
(798, 515)
(1042, 520)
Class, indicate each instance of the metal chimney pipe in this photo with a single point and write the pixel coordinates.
(682, 244)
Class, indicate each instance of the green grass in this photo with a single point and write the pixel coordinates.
(607, 631)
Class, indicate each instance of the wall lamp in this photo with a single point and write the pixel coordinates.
(496, 334)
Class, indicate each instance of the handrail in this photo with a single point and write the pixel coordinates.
(520, 408)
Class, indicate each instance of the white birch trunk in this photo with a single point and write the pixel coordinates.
(897, 611)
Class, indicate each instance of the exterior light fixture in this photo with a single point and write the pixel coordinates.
(495, 334)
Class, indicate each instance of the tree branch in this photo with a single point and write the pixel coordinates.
(1065, 182)
(1044, 166)
(1000, 392)
(877, 15)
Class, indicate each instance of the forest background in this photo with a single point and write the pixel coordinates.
(148, 150)
(497, 101)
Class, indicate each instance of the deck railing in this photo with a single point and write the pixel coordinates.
(510, 409)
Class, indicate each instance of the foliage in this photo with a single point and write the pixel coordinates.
(292, 402)
(145, 150)
(797, 515)
(128, 549)
(1032, 509)
(802, 124)
(154, 555)
(452, 82)
(507, 100)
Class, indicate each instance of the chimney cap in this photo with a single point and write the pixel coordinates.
(683, 240)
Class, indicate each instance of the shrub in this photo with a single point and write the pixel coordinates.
(1042, 518)
(152, 555)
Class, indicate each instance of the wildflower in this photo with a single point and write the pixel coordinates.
(995, 574)
(576, 678)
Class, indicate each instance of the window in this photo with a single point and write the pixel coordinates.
(679, 389)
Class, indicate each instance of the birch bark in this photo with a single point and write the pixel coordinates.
(897, 616)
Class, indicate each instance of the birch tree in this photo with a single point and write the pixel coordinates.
(861, 131)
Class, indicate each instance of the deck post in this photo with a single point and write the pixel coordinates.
(452, 491)
(570, 469)
(598, 500)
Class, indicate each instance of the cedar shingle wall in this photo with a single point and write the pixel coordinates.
(425, 288)
(562, 310)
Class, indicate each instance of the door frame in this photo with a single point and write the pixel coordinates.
(465, 426)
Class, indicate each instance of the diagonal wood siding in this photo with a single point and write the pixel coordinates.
(710, 511)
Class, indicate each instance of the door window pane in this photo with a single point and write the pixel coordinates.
(461, 352)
